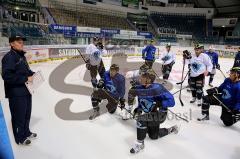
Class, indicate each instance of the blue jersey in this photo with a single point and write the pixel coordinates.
(147, 97)
(214, 58)
(149, 53)
(237, 60)
(230, 94)
(115, 85)
(15, 72)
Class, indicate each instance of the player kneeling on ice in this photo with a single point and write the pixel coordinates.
(200, 66)
(168, 59)
(153, 102)
(112, 88)
(227, 95)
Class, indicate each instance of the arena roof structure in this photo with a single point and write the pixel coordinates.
(223, 7)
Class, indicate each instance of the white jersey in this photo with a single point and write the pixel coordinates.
(133, 74)
(200, 64)
(93, 55)
(168, 57)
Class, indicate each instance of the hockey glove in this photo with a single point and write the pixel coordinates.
(133, 83)
(172, 63)
(236, 115)
(218, 66)
(88, 65)
(100, 84)
(137, 112)
(187, 54)
(212, 91)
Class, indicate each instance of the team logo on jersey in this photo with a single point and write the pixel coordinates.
(226, 94)
(166, 58)
(196, 66)
(110, 87)
(146, 104)
(96, 55)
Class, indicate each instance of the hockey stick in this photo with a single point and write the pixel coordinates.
(221, 103)
(82, 56)
(183, 79)
(180, 94)
(133, 114)
(117, 102)
(179, 90)
(178, 116)
(222, 73)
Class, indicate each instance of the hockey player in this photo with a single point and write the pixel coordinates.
(153, 102)
(148, 54)
(214, 58)
(168, 59)
(227, 95)
(237, 59)
(134, 77)
(110, 87)
(94, 61)
(200, 66)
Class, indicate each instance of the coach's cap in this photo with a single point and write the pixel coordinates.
(16, 38)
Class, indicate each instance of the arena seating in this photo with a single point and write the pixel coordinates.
(21, 28)
(184, 24)
(65, 13)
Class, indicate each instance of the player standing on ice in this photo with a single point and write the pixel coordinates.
(148, 54)
(15, 73)
(237, 59)
(94, 61)
(200, 65)
(153, 101)
(214, 58)
(110, 87)
(227, 95)
(168, 59)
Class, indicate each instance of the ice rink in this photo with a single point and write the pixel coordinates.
(61, 107)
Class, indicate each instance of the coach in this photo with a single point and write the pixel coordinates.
(15, 72)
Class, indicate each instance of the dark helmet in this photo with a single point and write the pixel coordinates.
(100, 45)
(95, 38)
(143, 69)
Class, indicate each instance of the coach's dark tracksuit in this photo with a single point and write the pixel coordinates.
(15, 72)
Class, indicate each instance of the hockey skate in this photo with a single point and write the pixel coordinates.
(174, 129)
(199, 102)
(126, 113)
(95, 114)
(203, 117)
(138, 146)
(193, 100)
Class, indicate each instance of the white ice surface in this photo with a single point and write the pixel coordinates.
(109, 137)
